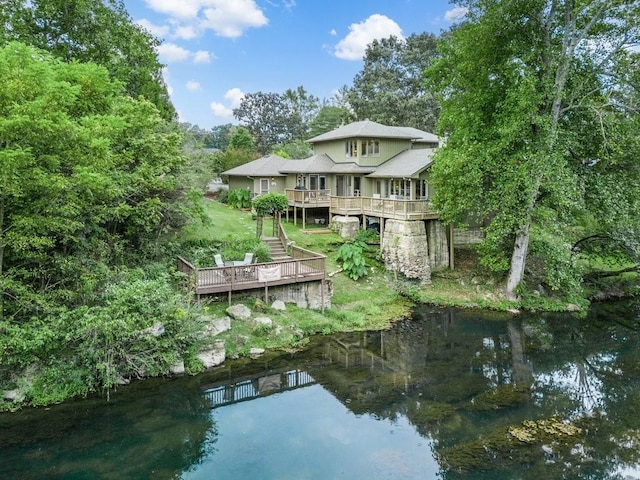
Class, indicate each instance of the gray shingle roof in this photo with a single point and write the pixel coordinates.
(406, 164)
(322, 163)
(267, 166)
(369, 129)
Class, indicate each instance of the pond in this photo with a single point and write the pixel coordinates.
(447, 394)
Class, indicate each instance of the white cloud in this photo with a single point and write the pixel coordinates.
(185, 32)
(159, 31)
(353, 46)
(193, 86)
(187, 9)
(226, 18)
(455, 14)
(333, 32)
(231, 19)
(234, 96)
(202, 56)
(172, 53)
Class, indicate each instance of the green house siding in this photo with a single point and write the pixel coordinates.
(336, 149)
(240, 182)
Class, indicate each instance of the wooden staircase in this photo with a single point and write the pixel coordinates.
(277, 250)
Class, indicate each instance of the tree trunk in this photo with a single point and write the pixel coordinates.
(259, 222)
(518, 261)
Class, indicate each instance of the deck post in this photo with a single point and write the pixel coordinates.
(304, 218)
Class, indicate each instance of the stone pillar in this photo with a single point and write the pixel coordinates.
(404, 249)
(346, 227)
(438, 244)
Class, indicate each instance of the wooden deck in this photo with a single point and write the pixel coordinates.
(393, 208)
(396, 209)
(307, 198)
(304, 266)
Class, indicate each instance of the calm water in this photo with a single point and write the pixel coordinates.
(447, 394)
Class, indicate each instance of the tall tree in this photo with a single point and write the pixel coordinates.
(87, 178)
(99, 31)
(274, 118)
(390, 88)
(516, 81)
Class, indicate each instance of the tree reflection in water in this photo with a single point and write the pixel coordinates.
(494, 397)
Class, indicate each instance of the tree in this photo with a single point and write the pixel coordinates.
(294, 149)
(390, 87)
(517, 80)
(274, 118)
(329, 118)
(241, 139)
(88, 178)
(269, 204)
(99, 31)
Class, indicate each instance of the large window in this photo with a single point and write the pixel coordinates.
(351, 148)
(317, 182)
(264, 185)
(370, 148)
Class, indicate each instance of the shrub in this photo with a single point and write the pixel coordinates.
(239, 198)
(351, 256)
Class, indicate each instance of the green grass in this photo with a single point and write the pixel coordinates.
(373, 302)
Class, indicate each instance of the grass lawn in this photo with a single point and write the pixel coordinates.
(373, 302)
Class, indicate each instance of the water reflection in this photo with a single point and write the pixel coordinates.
(448, 394)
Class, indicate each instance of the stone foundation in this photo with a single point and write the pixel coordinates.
(405, 249)
(437, 234)
(346, 227)
(304, 295)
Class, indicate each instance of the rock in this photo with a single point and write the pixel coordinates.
(122, 381)
(177, 368)
(216, 327)
(16, 395)
(214, 356)
(572, 307)
(263, 321)
(278, 305)
(256, 351)
(239, 312)
(515, 311)
(156, 330)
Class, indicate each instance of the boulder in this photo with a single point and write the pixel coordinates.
(214, 356)
(278, 305)
(256, 351)
(156, 330)
(177, 368)
(263, 321)
(216, 327)
(239, 312)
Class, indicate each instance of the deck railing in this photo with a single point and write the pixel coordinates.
(398, 209)
(308, 198)
(306, 266)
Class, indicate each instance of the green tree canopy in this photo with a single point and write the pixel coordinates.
(87, 178)
(274, 118)
(525, 87)
(390, 87)
(99, 31)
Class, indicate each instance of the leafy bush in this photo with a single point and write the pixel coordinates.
(351, 257)
(223, 195)
(239, 198)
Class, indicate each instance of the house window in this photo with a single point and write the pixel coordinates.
(356, 186)
(322, 182)
(370, 148)
(264, 185)
(378, 187)
(351, 148)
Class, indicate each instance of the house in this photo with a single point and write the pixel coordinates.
(364, 174)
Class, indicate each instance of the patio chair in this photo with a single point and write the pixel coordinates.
(248, 258)
(218, 258)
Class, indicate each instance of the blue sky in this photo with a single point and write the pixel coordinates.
(215, 51)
